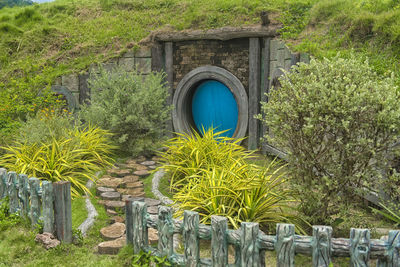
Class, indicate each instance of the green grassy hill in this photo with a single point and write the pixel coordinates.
(41, 42)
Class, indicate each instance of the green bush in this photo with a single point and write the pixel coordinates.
(336, 118)
(132, 106)
(7, 219)
(65, 152)
(210, 175)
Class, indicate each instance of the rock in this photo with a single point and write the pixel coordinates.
(125, 197)
(113, 231)
(148, 163)
(111, 212)
(114, 205)
(156, 158)
(130, 161)
(152, 202)
(117, 219)
(102, 189)
(141, 158)
(138, 184)
(153, 236)
(47, 240)
(131, 179)
(137, 167)
(112, 247)
(152, 167)
(142, 173)
(110, 182)
(111, 196)
(153, 210)
(118, 172)
(140, 199)
(136, 192)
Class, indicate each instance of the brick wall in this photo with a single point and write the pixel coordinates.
(232, 55)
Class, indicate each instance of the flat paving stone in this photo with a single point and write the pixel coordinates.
(118, 219)
(131, 179)
(131, 161)
(111, 196)
(137, 192)
(138, 184)
(111, 247)
(142, 173)
(113, 204)
(153, 236)
(152, 202)
(152, 167)
(101, 189)
(113, 231)
(140, 159)
(111, 212)
(118, 172)
(156, 158)
(137, 167)
(148, 163)
(110, 182)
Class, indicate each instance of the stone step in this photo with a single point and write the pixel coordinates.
(117, 219)
(110, 182)
(102, 189)
(111, 212)
(137, 192)
(111, 247)
(138, 184)
(118, 172)
(148, 163)
(131, 179)
(115, 205)
(136, 167)
(142, 173)
(153, 236)
(152, 210)
(152, 202)
(113, 231)
(111, 196)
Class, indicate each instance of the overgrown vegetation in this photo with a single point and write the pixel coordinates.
(337, 119)
(131, 106)
(210, 175)
(57, 149)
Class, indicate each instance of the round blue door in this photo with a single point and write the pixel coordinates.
(213, 105)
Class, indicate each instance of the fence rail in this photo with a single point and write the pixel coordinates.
(250, 243)
(39, 201)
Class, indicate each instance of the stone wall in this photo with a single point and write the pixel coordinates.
(76, 84)
(232, 55)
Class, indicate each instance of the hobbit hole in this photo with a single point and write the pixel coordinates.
(216, 78)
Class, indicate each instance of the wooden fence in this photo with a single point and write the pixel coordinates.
(43, 201)
(251, 244)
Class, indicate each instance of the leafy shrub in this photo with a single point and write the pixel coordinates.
(131, 106)
(335, 118)
(7, 220)
(189, 155)
(210, 175)
(71, 153)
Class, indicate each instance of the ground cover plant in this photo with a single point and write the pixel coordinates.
(210, 175)
(337, 119)
(66, 151)
(131, 107)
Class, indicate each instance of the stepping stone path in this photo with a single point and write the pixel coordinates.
(123, 183)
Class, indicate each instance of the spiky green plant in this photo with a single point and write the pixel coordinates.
(75, 159)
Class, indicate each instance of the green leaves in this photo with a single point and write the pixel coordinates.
(335, 118)
(210, 174)
(75, 158)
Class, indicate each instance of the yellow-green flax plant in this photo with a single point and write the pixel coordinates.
(75, 159)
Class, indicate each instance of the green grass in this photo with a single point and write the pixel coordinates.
(163, 188)
(79, 212)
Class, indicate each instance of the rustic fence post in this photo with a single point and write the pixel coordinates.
(139, 222)
(284, 245)
(62, 211)
(392, 259)
(48, 206)
(23, 194)
(321, 246)
(129, 222)
(3, 183)
(190, 237)
(12, 185)
(165, 231)
(359, 247)
(249, 251)
(34, 187)
(219, 241)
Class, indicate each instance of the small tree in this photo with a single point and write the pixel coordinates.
(336, 119)
(130, 105)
